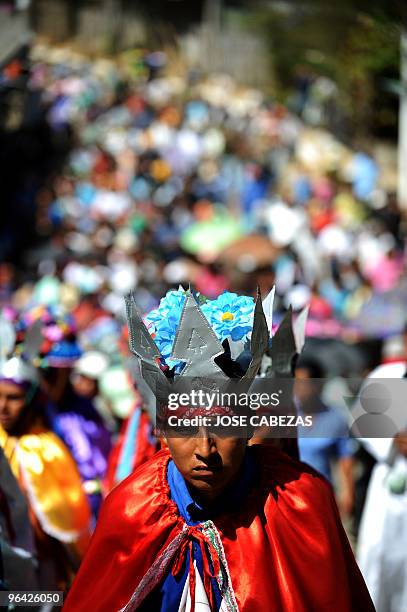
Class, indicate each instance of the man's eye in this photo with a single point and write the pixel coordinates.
(228, 432)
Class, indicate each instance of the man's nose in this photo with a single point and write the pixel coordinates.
(3, 402)
(205, 446)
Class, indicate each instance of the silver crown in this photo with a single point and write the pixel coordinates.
(20, 368)
(197, 345)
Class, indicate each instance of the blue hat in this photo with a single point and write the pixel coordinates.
(63, 354)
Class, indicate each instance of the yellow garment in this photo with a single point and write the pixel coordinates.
(48, 474)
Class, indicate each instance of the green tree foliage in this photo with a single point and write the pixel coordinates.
(354, 42)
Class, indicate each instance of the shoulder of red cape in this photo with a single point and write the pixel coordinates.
(146, 492)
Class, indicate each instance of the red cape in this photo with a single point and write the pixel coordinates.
(285, 549)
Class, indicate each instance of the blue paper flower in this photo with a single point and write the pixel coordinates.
(162, 323)
(230, 315)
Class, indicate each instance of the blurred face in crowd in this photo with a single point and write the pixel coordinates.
(12, 402)
(84, 385)
(306, 388)
(54, 382)
(209, 463)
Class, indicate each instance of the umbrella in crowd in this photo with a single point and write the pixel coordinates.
(206, 239)
(249, 253)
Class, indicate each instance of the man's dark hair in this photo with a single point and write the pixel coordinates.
(312, 365)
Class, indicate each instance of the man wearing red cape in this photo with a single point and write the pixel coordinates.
(276, 544)
(210, 523)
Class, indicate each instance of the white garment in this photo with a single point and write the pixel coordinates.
(201, 600)
(397, 369)
(382, 543)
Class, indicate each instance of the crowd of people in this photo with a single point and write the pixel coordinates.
(161, 164)
(170, 181)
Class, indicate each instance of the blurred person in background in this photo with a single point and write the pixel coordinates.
(72, 417)
(85, 377)
(382, 539)
(326, 443)
(394, 358)
(86, 372)
(75, 419)
(59, 511)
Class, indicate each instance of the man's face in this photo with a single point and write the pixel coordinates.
(12, 402)
(54, 382)
(305, 388)
(84, 385)
(209, 463)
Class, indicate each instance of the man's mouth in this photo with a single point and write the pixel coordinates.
(203, 471)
